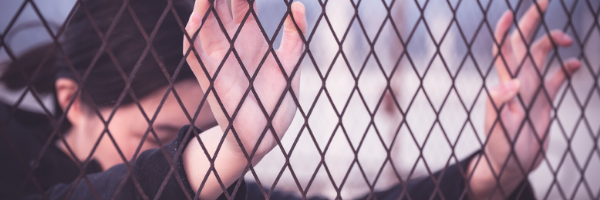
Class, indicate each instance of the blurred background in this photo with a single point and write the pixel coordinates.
(441, 68)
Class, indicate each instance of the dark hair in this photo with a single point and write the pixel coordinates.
(22, 69)
(82, 43)
(105, 84)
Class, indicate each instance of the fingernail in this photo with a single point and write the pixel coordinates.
(299, 8)
(573, 64)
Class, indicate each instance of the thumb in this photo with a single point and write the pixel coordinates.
(291, 42)
(504, 92)
(192, 38)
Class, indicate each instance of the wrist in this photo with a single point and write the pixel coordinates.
(233, 149)
(228, 164)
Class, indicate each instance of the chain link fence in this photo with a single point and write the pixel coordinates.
(391, 90)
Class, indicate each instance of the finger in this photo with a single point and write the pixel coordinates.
(223, 12)
(560, 76)
(291, 43)
(504, 24)
(502, 28)
(203, 6)
(192, 26)
(529, 21)
(211, 34)
(240, 8)
(543, 46)
(504, 92)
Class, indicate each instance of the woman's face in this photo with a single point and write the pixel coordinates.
(130, 124)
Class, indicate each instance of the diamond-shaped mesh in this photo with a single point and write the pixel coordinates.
(390, 91)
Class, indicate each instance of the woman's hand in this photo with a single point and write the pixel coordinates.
(230, 82)
(516, 142)
(218, 67)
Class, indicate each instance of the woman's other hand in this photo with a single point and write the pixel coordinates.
(516, 141)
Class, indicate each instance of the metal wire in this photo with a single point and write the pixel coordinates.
(323, 20)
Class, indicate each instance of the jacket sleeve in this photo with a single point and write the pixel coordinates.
(151, 177)
(451, 186)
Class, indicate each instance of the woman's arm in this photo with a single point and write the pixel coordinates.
(251, 87)
(516, 141)
(154, 174)
(229, 165)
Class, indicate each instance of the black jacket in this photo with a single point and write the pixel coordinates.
(32, 167)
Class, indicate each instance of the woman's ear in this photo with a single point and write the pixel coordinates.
(65, 92)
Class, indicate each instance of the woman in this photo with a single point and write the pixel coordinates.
(180, 168)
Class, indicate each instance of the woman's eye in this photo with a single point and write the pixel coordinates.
(151, 139)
